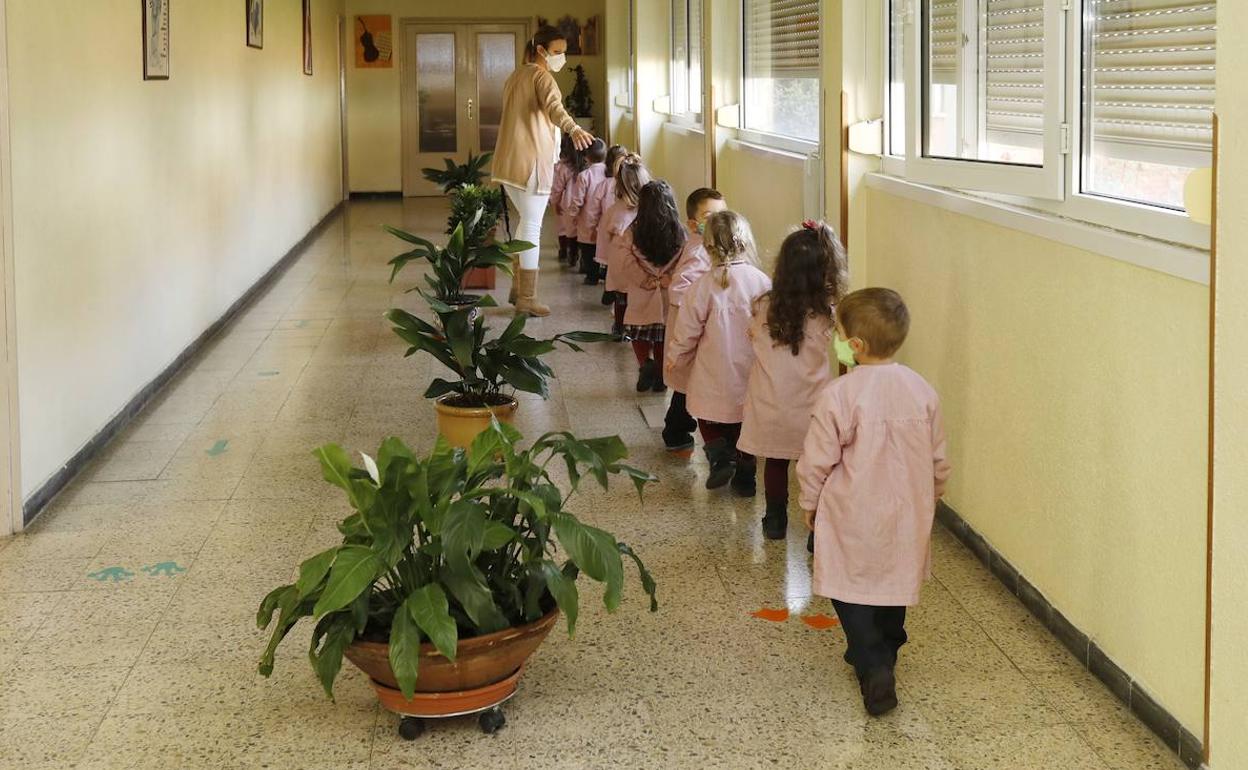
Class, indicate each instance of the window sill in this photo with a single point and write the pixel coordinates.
(776, 143)
(684, 129)
(1172, 259)
(767, 151)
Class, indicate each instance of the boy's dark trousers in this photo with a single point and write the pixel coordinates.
(873, 635)
(589, 267)
(678, 423)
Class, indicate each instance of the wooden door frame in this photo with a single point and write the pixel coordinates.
(406, 121)
(11, 519)
(342, 106)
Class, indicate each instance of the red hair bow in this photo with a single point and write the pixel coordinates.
(810, 224)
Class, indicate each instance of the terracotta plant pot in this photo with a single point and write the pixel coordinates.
(479, 278)
(479, 662)
(459, 425)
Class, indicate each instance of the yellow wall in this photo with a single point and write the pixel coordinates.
(1073, 389)
(142, 210)
(373, 95)
(765, 187)
(1229, 740)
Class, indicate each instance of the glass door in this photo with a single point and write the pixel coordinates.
(453, 77)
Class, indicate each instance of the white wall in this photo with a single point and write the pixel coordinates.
(142, 210)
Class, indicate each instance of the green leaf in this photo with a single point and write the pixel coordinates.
(268, 605)
(610, 449)
(328, 661)
(564, 591)
(392, 449)
(469, 588)
(583, 337)
(405, 650)
(440, 387)
(647, 581)
(463, 531)
(288, 602)
(354, 570)
(336, 469)
(497, 535)
(313, 571)
(429, 608)
(595, 552)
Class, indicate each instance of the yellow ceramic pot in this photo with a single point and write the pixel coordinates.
(459, 425)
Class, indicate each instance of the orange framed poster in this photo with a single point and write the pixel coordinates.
(374, 42)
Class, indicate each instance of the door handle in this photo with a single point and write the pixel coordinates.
(470, 109)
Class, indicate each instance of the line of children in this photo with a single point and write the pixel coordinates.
(750, 361)
(570, 164)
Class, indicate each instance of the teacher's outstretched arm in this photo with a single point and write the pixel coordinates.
(551, 101)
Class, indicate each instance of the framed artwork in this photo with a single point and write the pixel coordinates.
(582, 37)
(155, 39)
(307, 37)
(374, 42)
(255, 23)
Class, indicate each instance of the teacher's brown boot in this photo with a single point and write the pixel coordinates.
(526, 294)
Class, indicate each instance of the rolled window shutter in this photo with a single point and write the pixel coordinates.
(943, 41)
(782, 38)
(1014, 70)
(1153, 72)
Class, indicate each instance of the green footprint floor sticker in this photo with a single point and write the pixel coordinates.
(164, 568)
(115, 574)
(218, 448)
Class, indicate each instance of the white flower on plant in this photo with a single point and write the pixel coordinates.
(371, 467)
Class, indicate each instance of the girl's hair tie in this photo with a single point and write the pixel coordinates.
(811, 224)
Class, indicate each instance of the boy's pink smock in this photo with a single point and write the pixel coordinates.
(565, 225)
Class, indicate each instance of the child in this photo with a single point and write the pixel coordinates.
(679, 425)
(872, 468)
(579, 194)
(710, 347)
(630, 177)
(792, 330)
(650, 250)
(564, 171)
(599, 200)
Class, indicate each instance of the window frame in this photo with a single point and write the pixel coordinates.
(765, 139)
(682, 113)
(1148, 220)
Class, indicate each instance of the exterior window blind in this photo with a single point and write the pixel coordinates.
(943, 40)
(1013, 56)
(782, 38)
(680, 56)
(1152, 67)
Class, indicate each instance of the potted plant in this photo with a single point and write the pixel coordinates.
(483, 367)
(456, 175)
(446, 578)
(450, 264)
(580, 101)
(477, 208)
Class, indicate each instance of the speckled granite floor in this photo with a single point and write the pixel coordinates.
(158, 670)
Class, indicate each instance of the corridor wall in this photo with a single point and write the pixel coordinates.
(374, 98)
(143, 210)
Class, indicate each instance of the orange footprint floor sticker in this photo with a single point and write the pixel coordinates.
(775, 616)
(820, 622)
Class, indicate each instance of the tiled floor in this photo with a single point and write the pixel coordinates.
(157, 670)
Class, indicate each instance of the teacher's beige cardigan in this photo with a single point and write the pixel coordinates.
(532, 109)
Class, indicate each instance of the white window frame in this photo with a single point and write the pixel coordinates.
(682, 114)
(765, 140)
(1071, 202)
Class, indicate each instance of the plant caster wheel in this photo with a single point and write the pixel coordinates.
(411, 728)
(492, 720)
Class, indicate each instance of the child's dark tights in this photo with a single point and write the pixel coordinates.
(776, 480)
(644, 351)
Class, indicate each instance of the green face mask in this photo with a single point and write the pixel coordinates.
(844, 353)
(702, 227)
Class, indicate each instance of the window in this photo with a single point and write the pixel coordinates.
(1148, 80)
(781, 72)
(1104, 103)
(687, 59)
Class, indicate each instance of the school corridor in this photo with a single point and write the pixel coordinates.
(197, 292)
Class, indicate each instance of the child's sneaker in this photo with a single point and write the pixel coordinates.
(810, 542)
(723, 463)
(608, 298)
(776, 522)
(744, 483)
(679, 443)
(645, 378)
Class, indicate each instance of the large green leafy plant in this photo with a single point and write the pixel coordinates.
(449, 264)
(477, 209)
(483, 367)
(456, 175)
(453, 545)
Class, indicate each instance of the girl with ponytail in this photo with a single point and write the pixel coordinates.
(791, 334)
(710, 349)
(629, 177)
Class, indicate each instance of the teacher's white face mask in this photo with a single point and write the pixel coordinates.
(556, 61)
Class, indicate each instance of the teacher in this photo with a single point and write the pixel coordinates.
(527, 149)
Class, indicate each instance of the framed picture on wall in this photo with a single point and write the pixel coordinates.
(155, 39)
(307, 37)
(374, 42)
(255, 23)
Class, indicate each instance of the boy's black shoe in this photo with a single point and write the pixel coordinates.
(723, 463)
(776, 522)
(659, 386)
(645, 378)
(608, 298)
(678, 442)
(744, 483)
(810, 542)
(879, 691)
